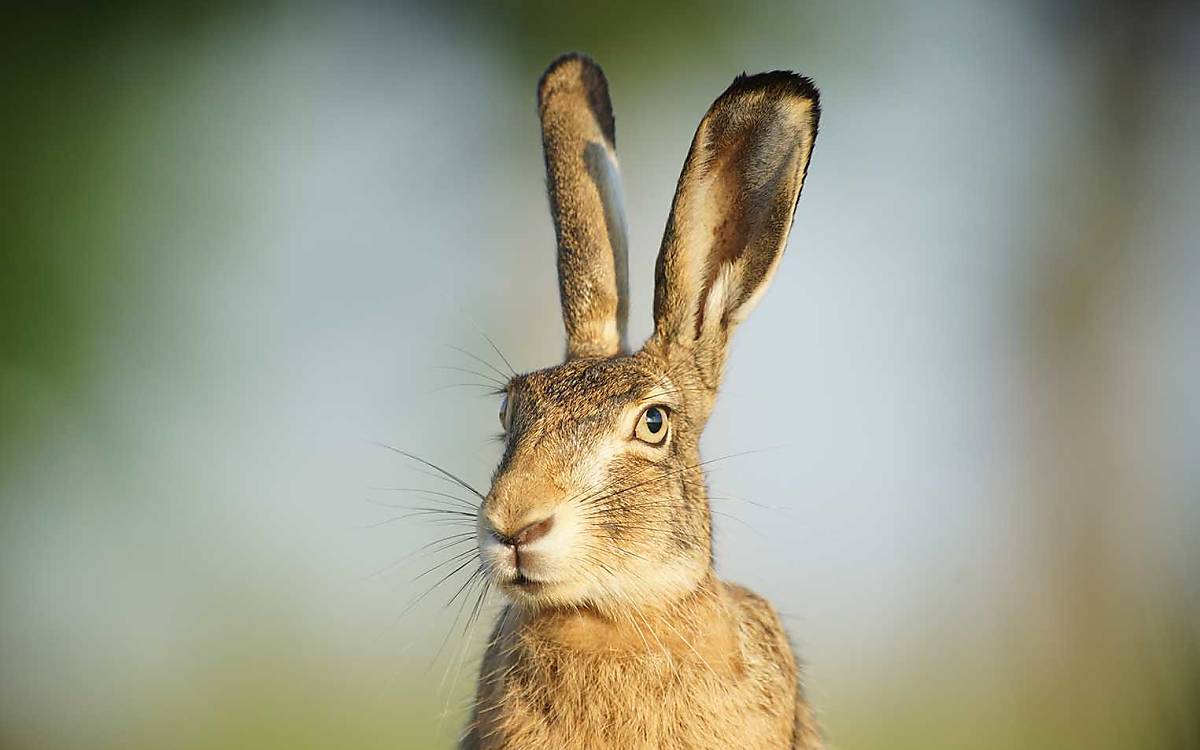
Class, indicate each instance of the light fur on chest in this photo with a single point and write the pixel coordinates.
(720, 678)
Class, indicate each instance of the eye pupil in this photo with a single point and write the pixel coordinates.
(652, 426)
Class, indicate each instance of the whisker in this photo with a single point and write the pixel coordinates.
(455, 558)
(466, 641)
(478, 608)
(626, 526)
(429, 590)
(490, 389)
(460, 482)
(732, 517)
(665, 475)
(435, 475)
(421, 490)
(469, 584)
(497, 350)
(424, 513)
(731, 499)
(480, 360)
(416, 510)
(474, 576)
(461, 538)
(466, 370)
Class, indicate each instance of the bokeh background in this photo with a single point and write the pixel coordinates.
(238, 244)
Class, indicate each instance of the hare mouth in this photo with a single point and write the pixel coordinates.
(524, 583)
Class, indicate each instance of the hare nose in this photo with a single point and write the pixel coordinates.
(534, 531)
(529, 534)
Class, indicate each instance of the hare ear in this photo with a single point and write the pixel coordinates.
(586, 204)
(733, 209)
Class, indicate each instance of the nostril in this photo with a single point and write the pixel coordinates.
(534, 531)
(507, 541)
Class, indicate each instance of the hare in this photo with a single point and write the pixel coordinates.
(617, 632)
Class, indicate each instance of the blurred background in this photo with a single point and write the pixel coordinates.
(238, 244)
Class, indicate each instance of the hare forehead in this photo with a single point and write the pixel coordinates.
(592, 386)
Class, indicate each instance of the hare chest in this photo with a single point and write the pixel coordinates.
(666, 694)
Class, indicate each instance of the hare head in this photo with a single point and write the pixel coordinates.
(599, 500)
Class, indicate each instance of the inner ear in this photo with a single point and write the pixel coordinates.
(725, 199)
(746, 178)
(733, 207)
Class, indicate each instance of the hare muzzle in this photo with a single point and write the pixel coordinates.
(525, 534)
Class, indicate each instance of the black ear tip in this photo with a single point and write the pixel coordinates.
(575, 70)
(776, 83)
(567, 57)
(571, 66)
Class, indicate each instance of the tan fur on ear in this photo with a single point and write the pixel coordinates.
(586, 204)
(733, 207)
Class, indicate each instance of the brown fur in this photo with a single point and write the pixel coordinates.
(579, 141)
(618, 633)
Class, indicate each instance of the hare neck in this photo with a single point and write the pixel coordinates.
(700, 625)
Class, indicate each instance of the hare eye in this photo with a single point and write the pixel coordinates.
(504, 411)
(652, 425)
